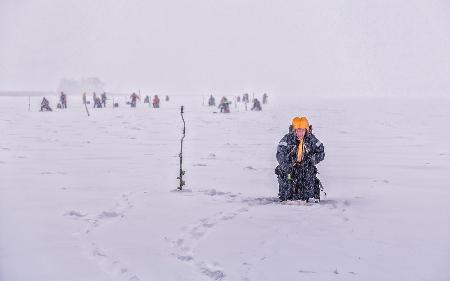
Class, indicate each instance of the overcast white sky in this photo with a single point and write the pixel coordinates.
(326, 47)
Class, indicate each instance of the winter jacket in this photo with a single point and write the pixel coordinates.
(288, 149)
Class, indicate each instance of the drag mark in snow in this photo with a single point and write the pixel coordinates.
(200, 165)
(75, 214)
(231, 198)
(109, 214)
(53, 173)
(110, 265)
(306, 271)
(118, 211)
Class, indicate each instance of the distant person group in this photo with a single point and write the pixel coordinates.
(155, 102)
(224, 104)
(100, 101)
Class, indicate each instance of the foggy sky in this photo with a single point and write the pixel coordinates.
(328, 47)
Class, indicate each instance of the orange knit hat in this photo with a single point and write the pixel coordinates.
(300, 123)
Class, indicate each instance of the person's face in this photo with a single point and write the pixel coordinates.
(300, 133)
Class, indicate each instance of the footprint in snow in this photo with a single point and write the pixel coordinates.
(213, 272)
(109, 214)
(111, 266)
(75, 214)
(191, 234)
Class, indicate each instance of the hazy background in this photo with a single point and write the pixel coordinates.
(324, 47)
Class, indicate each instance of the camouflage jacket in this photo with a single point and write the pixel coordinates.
(288, 148)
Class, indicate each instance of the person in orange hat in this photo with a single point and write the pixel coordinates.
(298, 153)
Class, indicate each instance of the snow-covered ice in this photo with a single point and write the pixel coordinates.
(93, 198)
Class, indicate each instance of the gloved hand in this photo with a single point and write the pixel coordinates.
(308, 160)
(311, 160)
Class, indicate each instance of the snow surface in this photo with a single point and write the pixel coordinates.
(92, 198)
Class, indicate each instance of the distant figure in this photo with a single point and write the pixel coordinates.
(224, 105)
(211, 101)
(104, 99)
(265, 98)
(84, 98)
(94, 96)
(238, 98)
(245, 98)
(97, 103)
(167, 98)
(156, 101)
(45, 106)
(63, 100)
(256, 105)
(147, 99)
(133, 98)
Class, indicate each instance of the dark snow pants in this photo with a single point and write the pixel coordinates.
(301, 185)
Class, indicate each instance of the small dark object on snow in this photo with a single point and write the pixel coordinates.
(116, 104)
